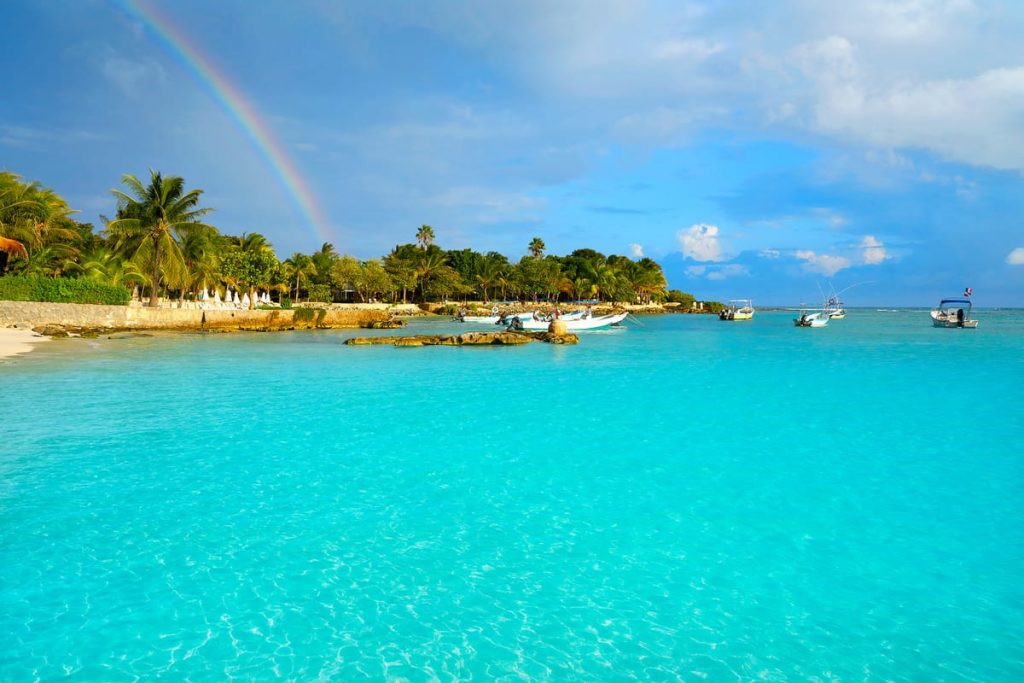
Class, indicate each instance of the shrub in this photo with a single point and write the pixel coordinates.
(304, 314)
(714, 306)
(286, 303)
(320, 316)
(320, 293)
(61, 290)
(677, 297)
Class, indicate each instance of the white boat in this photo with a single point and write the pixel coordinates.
(477, 319)
(834, 308)
(591, 323)
(951, 313)
(812, 319)
(507, 318)
(738, 309)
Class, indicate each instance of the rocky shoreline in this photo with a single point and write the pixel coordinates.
(59, 320)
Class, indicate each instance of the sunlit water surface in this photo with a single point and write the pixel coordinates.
(686, 499)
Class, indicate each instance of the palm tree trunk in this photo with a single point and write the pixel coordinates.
(154, 293)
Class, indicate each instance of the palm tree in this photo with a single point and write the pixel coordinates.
(487, 275)
(426, 268)
(425, 236)
(537, 247)
(302, 268)
(323, 260)
(199, 255)
(158, 212)
(33, 218)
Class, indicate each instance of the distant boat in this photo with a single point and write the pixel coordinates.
(834, 308)
(738, 309)
(812, 318)
(951, 313)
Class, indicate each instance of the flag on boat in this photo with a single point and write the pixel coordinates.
(968, 291)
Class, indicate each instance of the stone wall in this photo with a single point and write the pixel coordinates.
(86, 316)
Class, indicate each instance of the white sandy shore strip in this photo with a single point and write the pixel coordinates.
(14, 341)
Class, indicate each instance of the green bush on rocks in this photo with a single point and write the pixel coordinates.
(61, 290)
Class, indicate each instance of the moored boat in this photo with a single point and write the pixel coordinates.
(590, 323)
(834, 308)
(811, 318)
(951, 313)
(738, 309)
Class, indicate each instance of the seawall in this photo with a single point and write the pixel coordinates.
(90, 317)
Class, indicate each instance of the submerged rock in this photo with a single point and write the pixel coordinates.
(385, 325)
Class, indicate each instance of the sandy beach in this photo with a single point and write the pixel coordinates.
(14, 341)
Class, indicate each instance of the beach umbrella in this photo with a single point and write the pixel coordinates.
(245, 299)
(216, 296)
(236, 296)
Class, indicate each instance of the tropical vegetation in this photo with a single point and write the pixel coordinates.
(159, 244)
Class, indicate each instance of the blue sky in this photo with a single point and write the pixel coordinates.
(754, 149)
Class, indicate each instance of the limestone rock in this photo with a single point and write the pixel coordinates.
(557, 327)
(51, 330)
(385, 324)
(496, 338)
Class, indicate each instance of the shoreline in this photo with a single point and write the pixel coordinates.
(16, 341)
(59, 319)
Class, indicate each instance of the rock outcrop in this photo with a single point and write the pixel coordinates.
(467, 339)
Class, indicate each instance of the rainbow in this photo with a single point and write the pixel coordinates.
(239, 109)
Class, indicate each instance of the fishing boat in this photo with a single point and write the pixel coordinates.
(738, 309)
(809, 318)
(573, 325)
(834, 308)
(951, 313)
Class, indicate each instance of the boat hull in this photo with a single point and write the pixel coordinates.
(966, 325)
(594, 323)
(812, 320)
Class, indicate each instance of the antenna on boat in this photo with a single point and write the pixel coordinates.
(856, 284)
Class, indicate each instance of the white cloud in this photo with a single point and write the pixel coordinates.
(972, 118)
(132, 77)
(825, 264)
(727, 271)
(716, 272)
(700, 242)
(685, 50)
(872, 250)
(770, 253)
(1016, 257)
(636, 250)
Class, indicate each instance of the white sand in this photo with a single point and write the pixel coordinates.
(14, 341)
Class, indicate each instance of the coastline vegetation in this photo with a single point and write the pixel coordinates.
(159, 245)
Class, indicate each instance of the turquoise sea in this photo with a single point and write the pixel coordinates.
(683, 499)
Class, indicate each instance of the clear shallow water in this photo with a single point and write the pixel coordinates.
(687, 500)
